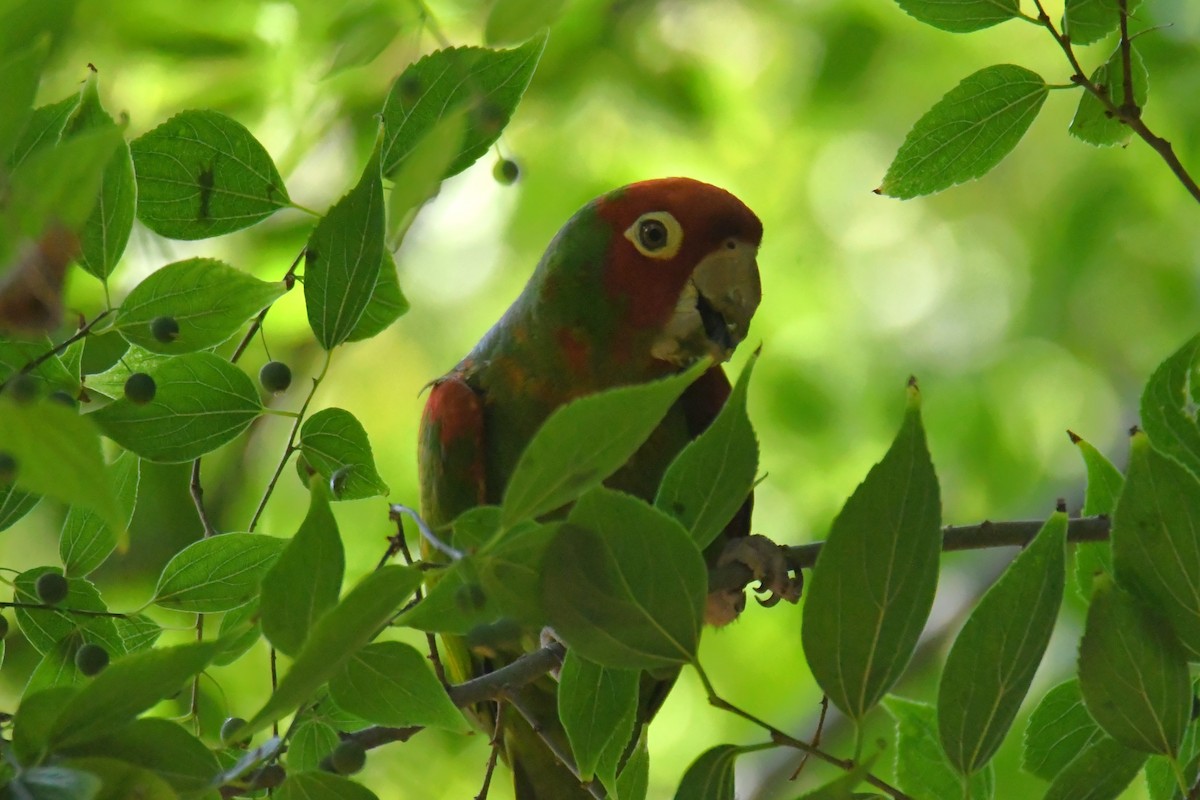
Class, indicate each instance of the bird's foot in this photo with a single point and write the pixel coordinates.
(768, 564)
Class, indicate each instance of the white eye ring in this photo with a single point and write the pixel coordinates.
(656, 234)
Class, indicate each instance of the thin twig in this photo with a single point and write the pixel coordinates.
(83, 331)
(816, 738)
(1130, 104)
(197, 491)
(497, 742)
(289, 280)
(397, 544)
(83, 612)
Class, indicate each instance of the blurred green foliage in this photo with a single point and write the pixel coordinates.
(1036, 299)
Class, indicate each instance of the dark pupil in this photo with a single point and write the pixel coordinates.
(653, 234)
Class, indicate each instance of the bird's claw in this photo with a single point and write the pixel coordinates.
(768, 564)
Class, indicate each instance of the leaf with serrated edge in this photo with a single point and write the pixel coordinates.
(1087, 21)
(994, 657)
(873, 584)
(217, 573)
(333, 442)
(208, 298)
(566, 458)
(315, 559)
(337, 636)
(15, 504)
(1104, 483)
(712, 476)
(922, 768)
(342, 260)
(624, 584)
(390, 683)
(1093, 123)
(967, 132)
(1166, 412)
(489, 82)
(202, 174)
(961, 16)
(201, 402)
(1133, 673)
(1155, 544)
(597, 706)
(1059, 729)
(1100, 772)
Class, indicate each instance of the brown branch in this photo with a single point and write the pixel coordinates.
(289, 280)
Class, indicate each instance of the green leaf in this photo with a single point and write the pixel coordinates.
(240, 630)
(1087, 21)
(59, 185)
(510, 570)
(202, 174)
(712, 476)
(122, 781)
(15, 504)
(418, 177)
(709, 777)
(34, 720)
(922, 768)
(390, 683)
(1162, 780)
(598, 708)
(129, 686)
(342, 260)
(873, 584)
(634, 780)
(361, 34)
(20, 72)
(54, 783)
(333, 442)
(312, 741)
(86, 541)
(336, 637)
(217, 573)
(1058, 731)
(1101, 772)
(1168, 415)
(161, 746)
(202, 402)
(994, 657)
(106, 231)
(512, 21)
(58, 455)
(967, 132)
(624, 584)
(57, 668)
(322, 786)
(1092, 122)
(961, 16)
(489, 82)
(313, 558)
(585, 441)
(1133, 673)
(842, 787)
(1104, 483)
(16, 353)
(45, 127)
(208, 298)
(137, 631)
(387, 303)
(45, 627)
(1156, 539)
(456, 603)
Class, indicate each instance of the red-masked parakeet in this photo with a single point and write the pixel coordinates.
(640, 283)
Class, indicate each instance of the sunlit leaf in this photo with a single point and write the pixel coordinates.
(1092, 122)
(387, 303)
(922, 768)
(217, 573)
(312, 741)
(240, 630)
(709, 777)
(61, 183)
(45, 627)
(961, 16)
(1104, 482)
(19, 74)
(1167, 410)
(390, 683)
(1087, 21)
(334, 444)
(15, 504)
(44, 127)
(86, 541)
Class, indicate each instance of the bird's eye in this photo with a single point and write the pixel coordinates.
(656, 234)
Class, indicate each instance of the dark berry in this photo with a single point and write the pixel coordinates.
(51, 588)
(348, 757)
(62, 396)
(140, 388)
(228, 728)
(8, 467)
(164, 329)
(275, 376)
(506, 172)
(91, 659)
(22, 387)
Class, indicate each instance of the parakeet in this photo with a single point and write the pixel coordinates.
(640, 283)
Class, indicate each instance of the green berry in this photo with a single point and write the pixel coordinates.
(51, 588)
(228, 728)
(91, 659)
(3, 627)
(164, 329)
(22, 387)
(348, 757)
(8, 467)
(506, 172)
(275, 376)
(140, 388)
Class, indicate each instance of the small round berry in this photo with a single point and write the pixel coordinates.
(275, 376)
(22, 387)
(51, 588)
(348, 757)
(91, 659)
(228, 728)
(8, 467)
(164, 329)
(506, 172)
(140, 388)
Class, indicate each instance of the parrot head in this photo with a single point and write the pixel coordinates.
(683, 266)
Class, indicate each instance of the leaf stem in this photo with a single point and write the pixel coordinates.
(83, 612)
(83, 331)
(289, 280)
